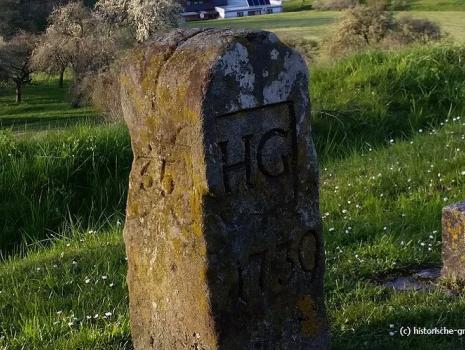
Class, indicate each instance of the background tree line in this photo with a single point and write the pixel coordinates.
(88, 40)
(85, 38)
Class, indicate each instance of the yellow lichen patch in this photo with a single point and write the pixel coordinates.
(133, 210)
(454, 227)
(310, 323)
(147, 181)
(167, 184)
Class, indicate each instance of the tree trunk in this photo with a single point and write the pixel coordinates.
(18, 92)
(60, 82)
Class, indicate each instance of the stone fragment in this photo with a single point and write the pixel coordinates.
(453, 242)
(223, 229)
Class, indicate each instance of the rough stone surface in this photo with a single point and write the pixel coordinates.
(223, 230)
(453, 242)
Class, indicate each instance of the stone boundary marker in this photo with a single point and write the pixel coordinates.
(223, 230)
(453, 242)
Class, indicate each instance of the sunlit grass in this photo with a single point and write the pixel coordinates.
(44, 106)
(315, 25)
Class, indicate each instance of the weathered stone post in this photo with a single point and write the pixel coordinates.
(223, 230)
(453, 242)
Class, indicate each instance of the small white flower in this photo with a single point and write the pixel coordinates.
(104, 277)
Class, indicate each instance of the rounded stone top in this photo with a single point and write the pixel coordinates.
(189, 74)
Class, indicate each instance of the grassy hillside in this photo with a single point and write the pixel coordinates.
(316, 24)
(436, 5)
(305, 24)
(297, 5)
(376, 96)
(412, 5)
(382, 190)
(359, 103)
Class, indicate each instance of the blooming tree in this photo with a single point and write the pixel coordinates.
(145, 16)
(15, 55)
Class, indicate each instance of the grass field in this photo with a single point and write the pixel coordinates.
(76, 176)
(411, 5)
(316, 24)
(383, 219)
(44, 106)
(389, 130)
(435, 5)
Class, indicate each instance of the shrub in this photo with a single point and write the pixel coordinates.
(359, 28)
(104, 91)
(377, 4)
(410, 30)
(307, 48)
(366, 27)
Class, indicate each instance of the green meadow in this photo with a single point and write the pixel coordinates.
(410, 5)
(316, 24)
(389, 128)
(45, 106)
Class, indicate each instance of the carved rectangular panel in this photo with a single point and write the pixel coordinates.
(258, 149)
